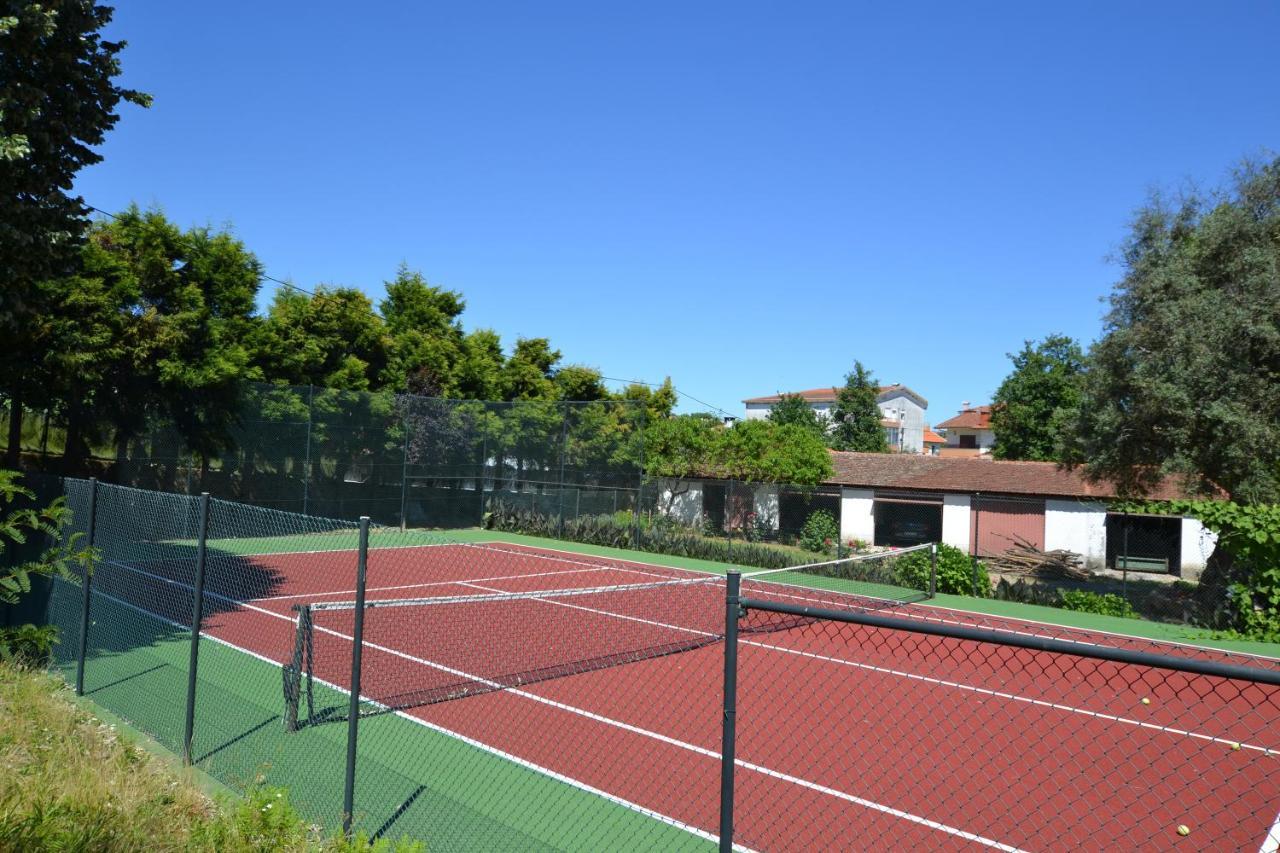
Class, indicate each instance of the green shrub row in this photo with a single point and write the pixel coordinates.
(621, 530)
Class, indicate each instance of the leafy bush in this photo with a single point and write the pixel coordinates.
(820, 532)
(27, 526)
(1105, 604)
(657, 538)
(1082, 601)
(955, 572)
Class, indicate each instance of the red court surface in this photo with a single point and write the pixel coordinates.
(848, 736)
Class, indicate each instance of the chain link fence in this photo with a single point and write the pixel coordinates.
(489, 695)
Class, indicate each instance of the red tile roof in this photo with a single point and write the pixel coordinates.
(977, 417)
(828, 395)
(969, 475)
(931, 437)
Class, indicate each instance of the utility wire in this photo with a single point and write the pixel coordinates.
(312, 294)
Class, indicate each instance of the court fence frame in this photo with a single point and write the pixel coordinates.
(739, 607)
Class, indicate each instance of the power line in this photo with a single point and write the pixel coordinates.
(673, 388)
(373, 313)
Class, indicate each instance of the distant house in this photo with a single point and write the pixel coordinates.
(902, 412)
(969, 433)
(933, 442)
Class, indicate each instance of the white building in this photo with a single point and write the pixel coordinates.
(969, 433)
(976, 504)
(902, 410)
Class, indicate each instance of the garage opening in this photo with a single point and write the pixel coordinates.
(903, 519)
(1144, 543)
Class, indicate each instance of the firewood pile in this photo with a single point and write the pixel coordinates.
(1027, 560)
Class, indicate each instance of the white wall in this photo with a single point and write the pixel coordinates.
(1079, 526)
(956, 521)
(766, 506)
(686, 507)
(857, 514)
(1197, 545)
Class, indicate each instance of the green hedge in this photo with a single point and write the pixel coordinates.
(659, 537)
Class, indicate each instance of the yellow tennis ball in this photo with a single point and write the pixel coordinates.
(1146, 701)
(1183, 829)
(1235, 747)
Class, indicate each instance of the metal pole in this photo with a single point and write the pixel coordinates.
(404, 475)
(1124, 557)
(484, 467)
(977, 521)
(353, 715)
(88, 580)
(564, 438)
(728, 741)
(933, 569)
(306, 465)
(197, 616)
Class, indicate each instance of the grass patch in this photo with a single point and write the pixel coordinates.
(70, 780)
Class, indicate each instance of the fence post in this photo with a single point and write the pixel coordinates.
(88, 580)
(564, 439)
(728, 742)
(404, 475)
(353, 715)
(306, 464)
(977, 521)
(197, 616)
(1124, 560)
(933, 569)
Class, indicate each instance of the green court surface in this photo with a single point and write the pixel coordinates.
(411, 781)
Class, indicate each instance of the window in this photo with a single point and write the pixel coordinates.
(970, 441)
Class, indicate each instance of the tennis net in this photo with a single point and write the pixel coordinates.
(420, 651)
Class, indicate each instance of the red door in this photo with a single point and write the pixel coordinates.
(997, 524)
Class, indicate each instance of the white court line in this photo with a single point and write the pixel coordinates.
(940, 682)
(660, 737)
(951, 608)
(804, 783)
(316, 595)
(492, 750)
(1271, 843)
(1057, 706)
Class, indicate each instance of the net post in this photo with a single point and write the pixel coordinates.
(933, 569)
(353, 716)
(88, 580)
(197, 616)
(728, 743)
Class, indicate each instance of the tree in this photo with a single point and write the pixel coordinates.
(527, 374)
(1186, 377)
(331, 338)
(794, 409)
(687, 446)
(856, 416)
(157, 323)
(1035, 401)
(58, 99)
(426, 335)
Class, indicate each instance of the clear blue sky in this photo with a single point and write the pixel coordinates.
(744, 196)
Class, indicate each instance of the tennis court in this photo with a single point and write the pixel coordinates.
(606, 676)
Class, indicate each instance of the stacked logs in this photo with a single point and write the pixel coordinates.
(1027, 560)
